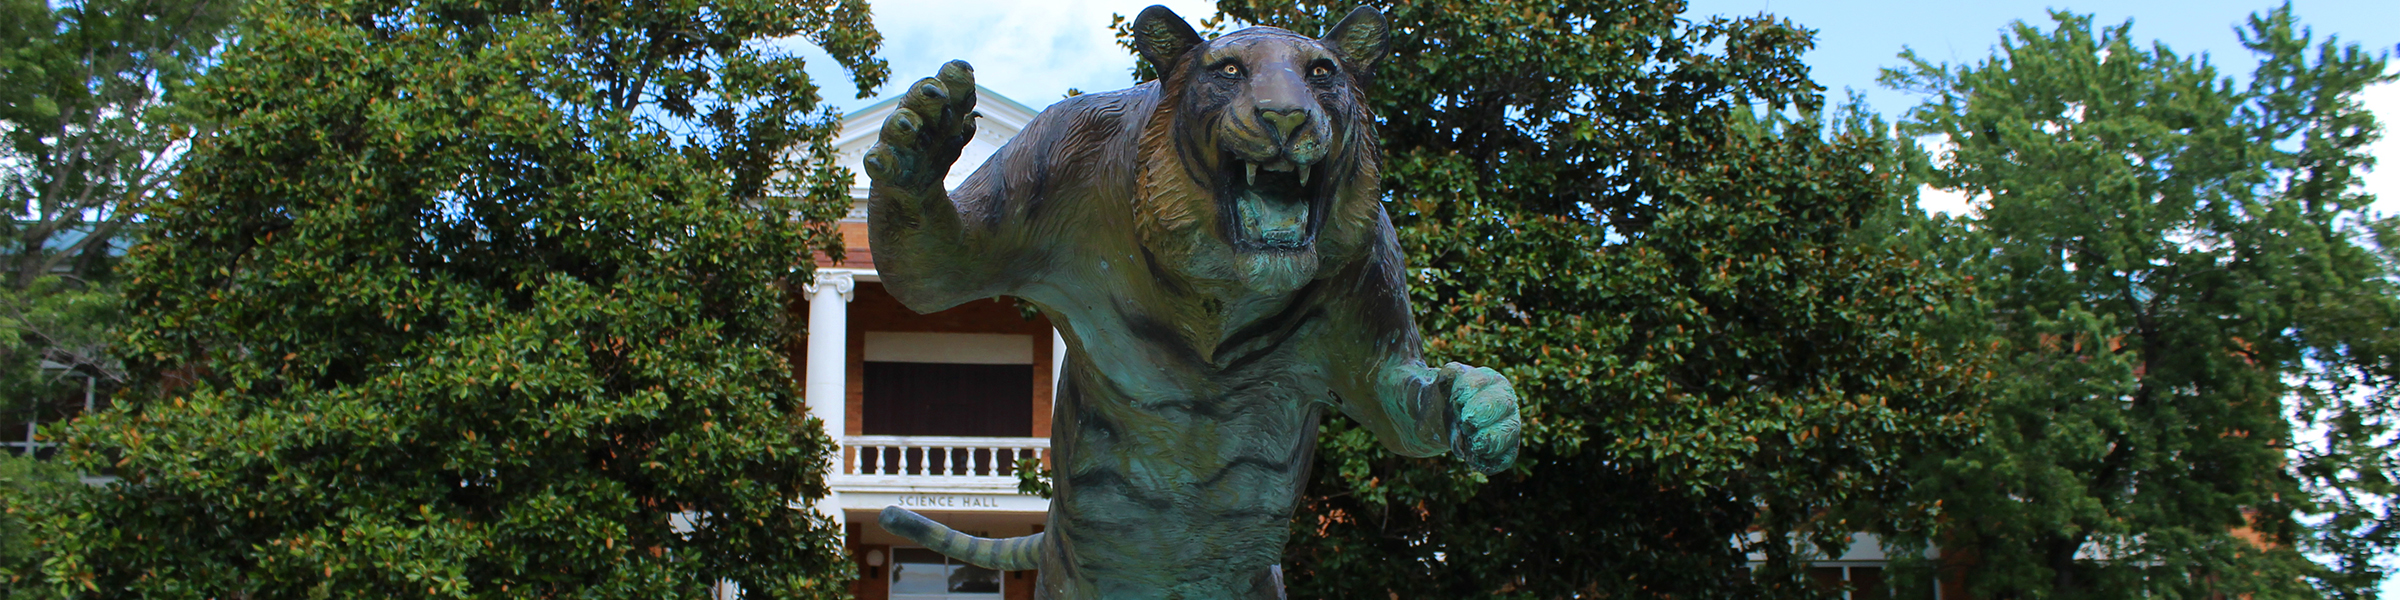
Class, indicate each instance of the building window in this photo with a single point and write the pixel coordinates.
(948, 384)
(948, 399)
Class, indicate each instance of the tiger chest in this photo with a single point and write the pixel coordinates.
(1148, 441)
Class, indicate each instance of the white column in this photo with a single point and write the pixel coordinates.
(1058, 362)
(826, 390)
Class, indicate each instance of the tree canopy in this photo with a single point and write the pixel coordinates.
(2193, 306)
(485, 299)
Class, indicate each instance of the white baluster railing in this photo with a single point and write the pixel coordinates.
(936, 460)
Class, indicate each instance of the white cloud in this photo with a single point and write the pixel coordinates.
(1941, 201)
(2384, 181)
(1947, 202)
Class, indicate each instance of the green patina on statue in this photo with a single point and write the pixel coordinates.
(1212, 248)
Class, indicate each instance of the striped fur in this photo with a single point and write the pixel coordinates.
(1011, 554)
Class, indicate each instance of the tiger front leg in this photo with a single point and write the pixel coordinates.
(1470, 412)
(918, 145)
(929, 256)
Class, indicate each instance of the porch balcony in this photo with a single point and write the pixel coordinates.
(934, 464)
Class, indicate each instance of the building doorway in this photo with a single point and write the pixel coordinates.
(922, 574)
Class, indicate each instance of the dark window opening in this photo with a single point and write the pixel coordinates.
(948, 399)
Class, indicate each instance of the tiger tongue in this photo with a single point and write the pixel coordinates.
(1274, 223)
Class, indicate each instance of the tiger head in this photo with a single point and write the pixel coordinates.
(1260, 166)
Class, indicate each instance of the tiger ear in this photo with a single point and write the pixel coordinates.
(1162, 36)
(1361, 38)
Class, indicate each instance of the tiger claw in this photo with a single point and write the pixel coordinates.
(881, 164)
(958, 74)
(901, 130)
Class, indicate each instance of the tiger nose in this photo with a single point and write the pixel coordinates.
(1284, 122)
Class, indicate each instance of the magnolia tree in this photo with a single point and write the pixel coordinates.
(467, 298)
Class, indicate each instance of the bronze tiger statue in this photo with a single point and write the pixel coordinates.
(1213, 249)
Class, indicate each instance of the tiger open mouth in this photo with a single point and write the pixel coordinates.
(1276, 206)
